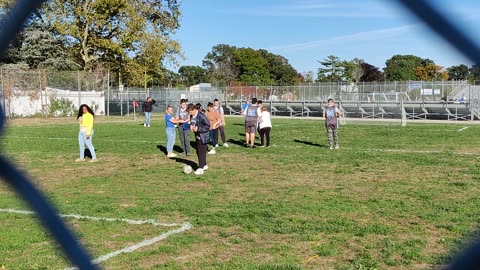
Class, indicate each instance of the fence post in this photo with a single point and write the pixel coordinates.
(108, 93)
(79, 88)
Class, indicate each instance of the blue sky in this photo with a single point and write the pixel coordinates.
(305, 31)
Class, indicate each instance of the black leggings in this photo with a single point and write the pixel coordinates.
(265, 132)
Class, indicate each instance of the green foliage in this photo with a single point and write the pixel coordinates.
(191, 75)
(61, 107)
(402, 67)
(331, 70)
(459, 72)
(226, 64)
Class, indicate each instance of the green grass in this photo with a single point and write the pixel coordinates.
(391, 198)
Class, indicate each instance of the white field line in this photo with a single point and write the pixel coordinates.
(462, 129)
(184, 227)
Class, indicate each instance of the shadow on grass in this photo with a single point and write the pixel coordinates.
(309, 143)
(237, 142)
(176, 148)
(193, 164)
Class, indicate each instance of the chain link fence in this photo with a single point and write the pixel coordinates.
(45, 93)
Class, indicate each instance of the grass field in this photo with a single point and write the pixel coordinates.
(391, 198)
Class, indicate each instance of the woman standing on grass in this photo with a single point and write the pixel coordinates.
(265, 125)
(85, 135)
(201, 126)
(170, 123)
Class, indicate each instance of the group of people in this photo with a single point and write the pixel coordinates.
(206, 125)
(257, 118)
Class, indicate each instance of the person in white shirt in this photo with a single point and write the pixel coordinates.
(265, 126)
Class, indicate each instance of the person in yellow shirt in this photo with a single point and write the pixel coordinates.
(86, 118)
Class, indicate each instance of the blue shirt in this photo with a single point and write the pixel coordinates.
(167, 121)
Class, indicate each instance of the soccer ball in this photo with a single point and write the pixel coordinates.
(187, 169)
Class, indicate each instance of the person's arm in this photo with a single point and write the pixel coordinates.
(153, 101)
(339, 113)
(323, 112)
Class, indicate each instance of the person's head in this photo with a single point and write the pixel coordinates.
(210, 106)
(330, 101)
(254, 101)
(169, 109)
(84, 108)
(183, 103)
(216, 102)
(149, 99)
(198, 106)
(264, 109)
(259, 103)
(192, 109)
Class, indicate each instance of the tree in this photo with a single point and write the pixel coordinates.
(458, 72)
(431, 72)
(402, 67)
(351, 71)
(109, 32)
(252, 67)
(331, 70)
(474, 73)
(192, 75)
(281, 72)
(371, 73)
(219, 64)
(308, 76)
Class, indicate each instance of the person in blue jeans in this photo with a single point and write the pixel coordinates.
(170, 123)
(147, 109)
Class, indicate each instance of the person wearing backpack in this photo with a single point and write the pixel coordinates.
(251, 114)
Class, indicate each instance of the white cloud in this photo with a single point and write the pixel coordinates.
(351, 9)
(380, 34)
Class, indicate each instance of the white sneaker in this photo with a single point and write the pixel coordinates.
(331, 147)
(94, 160)
(205, 167)
(148, 125)
(216, 145)
(199, 171)
(226, 145)
(79, 159)
(212, 152)
(337, 146)
(172, 155)
(145, 125)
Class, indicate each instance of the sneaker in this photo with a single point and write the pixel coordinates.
(148, 125)
(212, 152)
(331, 147)
(145, 125)
(187, 154)
(94, 160)
(205, 167)
(225, 145)
(79, 159)
(337, 146)
(216, 145)
(172, 155)
(253, 146)
(199, 171)
(262, 146)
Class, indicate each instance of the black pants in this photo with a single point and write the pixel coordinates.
(201, 153)
(265, 132)
(221, 130)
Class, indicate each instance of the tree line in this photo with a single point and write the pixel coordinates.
(135, 39)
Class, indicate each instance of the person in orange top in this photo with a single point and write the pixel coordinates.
(86, 118)
(215, 120)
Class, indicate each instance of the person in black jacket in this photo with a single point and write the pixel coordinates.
(147, 109)
(200, 125)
